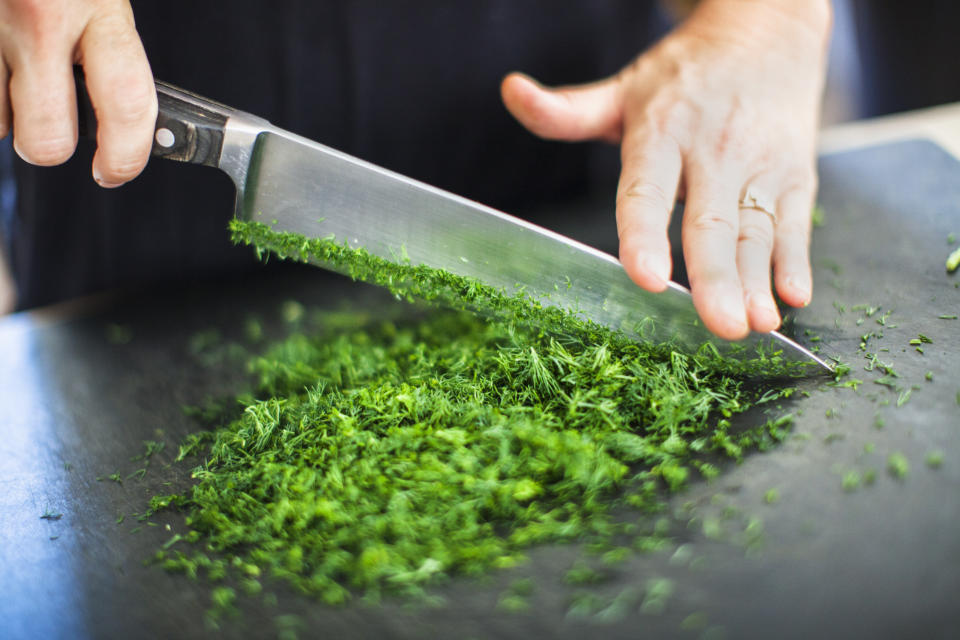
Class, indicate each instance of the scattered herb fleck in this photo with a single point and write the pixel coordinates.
(851, 480)
(953, 261)
(696, 621)
(818, 216)
(934, 459)
(898, 466)
(657, 595)
(904, 397)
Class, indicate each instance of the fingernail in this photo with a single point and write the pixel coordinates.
(731, 306)
(16, 149)
(763, 306)
(800, 288)
(100, 181)
(658, 265)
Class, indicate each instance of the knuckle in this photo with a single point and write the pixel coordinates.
(643, 193)
(135, 105)
(755, 234)
(115, 20)
(713, 223)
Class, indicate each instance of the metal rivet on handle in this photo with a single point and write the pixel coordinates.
(165, 137)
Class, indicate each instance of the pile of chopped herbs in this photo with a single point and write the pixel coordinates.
(378, 456)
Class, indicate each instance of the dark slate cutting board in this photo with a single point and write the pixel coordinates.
(80, 389)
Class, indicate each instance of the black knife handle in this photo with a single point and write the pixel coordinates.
(189, 127)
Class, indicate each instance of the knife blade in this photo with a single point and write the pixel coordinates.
(294, 184)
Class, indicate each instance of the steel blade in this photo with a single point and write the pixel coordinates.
(295, 184)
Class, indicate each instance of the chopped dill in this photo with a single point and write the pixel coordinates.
(851, 481)
(378, 456)
(953, 261)
(897, 465)
(934, 459)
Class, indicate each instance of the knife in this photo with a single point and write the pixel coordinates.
(294, 184)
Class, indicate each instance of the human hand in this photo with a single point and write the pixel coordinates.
(40, 41)
(727, 103)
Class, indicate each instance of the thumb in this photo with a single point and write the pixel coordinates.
(583, 112)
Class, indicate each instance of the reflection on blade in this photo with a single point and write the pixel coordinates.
(297, 185)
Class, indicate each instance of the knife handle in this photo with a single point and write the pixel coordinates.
(189, 127)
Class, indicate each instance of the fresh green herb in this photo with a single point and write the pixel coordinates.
(150, 449)
(851, 481)
(513, 603)
(516, 598)
(657, 595)
(953, 261)
(696, 621)
(904, 397)
(897, 465)
(622, 605)
(951, 237)
(382, 454)
(138, 474)
(948, 316)
(868, 310)
(934, 459)
(818, 216)
(772, 496)
(832, 265)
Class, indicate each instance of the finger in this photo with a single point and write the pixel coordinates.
(791, 253)
(585, 112)
(43, 104)
(5, 115)
(754, 248)
(710, 231)
(646, 195)
(123, 95)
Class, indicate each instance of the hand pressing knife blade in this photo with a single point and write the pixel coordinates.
(294, 184)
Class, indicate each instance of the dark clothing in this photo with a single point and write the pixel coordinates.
(909, 54)
(412, 86)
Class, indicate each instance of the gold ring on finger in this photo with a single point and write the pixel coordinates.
(753, 198)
